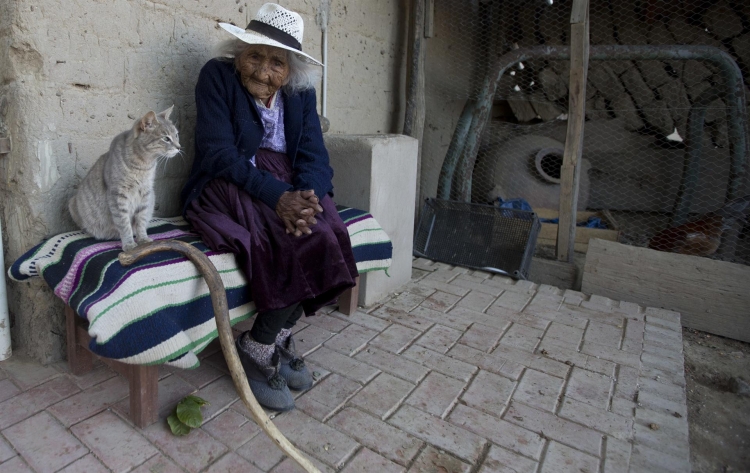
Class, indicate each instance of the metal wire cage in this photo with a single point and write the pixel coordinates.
(477, 236)
(665, 148)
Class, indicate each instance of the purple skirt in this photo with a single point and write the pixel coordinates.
(281, 269)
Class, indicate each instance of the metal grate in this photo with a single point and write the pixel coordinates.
(477, 236)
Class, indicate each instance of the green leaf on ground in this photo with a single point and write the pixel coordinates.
(189, 413)
(200, 401)
(177, 427)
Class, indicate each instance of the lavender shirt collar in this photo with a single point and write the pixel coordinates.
(273, 124)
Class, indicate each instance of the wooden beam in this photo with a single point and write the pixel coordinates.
(414, 116)
(579, 12)
(570, 171)
(429, 19)
(711, 295)
(549, 231)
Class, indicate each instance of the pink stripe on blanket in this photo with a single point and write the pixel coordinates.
(65, 288)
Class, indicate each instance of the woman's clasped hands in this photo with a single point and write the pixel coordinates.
(297, 209)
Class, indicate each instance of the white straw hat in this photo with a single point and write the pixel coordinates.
(274, 25)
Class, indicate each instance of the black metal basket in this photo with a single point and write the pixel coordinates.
(477, 236)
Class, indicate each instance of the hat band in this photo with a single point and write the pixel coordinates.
(275, 34)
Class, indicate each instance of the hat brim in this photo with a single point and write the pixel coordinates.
(251, 37)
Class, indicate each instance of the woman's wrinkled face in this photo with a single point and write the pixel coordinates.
(263, 69)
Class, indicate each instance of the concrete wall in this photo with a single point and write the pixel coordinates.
(75, 73)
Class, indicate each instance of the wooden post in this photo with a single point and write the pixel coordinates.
(348, 300)
(144, 394)
(570, 171)
(415, 102)
(429, 19)
(143, 380)
(80, 360)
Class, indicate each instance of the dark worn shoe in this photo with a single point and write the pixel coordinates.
(268, 386)
(293, 368)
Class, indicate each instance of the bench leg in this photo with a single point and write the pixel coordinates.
(348, 300)
(143, 380)
(80, 360)
(144, 395)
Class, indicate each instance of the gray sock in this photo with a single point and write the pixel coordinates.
(283, 336)
(259, 352)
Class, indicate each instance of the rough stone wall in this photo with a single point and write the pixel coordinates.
(76, 73)
(21, 183)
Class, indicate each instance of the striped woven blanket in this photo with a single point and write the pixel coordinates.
(159, 310)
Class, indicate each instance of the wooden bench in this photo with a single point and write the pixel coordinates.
(158, 310)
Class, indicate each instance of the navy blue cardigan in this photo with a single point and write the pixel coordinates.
(228, 131)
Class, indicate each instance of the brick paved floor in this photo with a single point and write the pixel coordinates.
(459, 372)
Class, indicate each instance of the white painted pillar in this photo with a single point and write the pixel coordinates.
(5, 346)
(378, 173)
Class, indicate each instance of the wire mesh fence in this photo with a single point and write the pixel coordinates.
(665, 143)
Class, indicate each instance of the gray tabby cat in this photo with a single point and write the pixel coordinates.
(116, 198)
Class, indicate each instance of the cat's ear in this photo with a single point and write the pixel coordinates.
(148, 121)
(165, 114)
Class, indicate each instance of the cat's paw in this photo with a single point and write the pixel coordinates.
(144, 240)
(127, 246)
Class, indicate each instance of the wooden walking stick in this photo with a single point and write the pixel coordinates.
(221, 313)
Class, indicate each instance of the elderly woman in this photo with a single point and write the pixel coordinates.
(260, 187)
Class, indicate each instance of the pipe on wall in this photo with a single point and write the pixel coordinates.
(323, 23)
(5, 347)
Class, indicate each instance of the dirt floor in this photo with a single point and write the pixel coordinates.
(718, 393)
